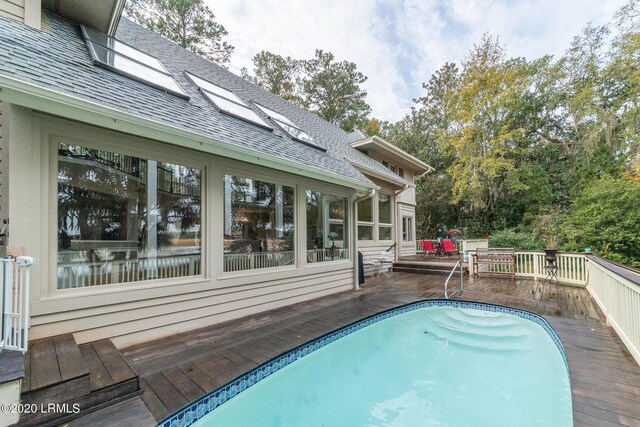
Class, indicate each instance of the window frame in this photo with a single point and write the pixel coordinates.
(371, 224)
(263, 177)
(328, 221)
(380, 224)
(95, 58)
(174, 155)
(407, 219)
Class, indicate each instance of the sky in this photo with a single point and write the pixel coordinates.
(399, 44)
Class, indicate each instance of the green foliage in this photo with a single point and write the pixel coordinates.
(542, 152)
(519, 240)
(332, 90)
(189, 23)
(274, 73)
(605, 217)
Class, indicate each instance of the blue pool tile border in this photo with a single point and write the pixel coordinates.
(194, 411)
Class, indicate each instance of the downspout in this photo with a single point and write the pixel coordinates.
(356, 282)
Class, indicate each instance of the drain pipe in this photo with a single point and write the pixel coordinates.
(356, 282)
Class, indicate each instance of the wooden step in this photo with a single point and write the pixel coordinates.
(55, 371)
(89, 377)
(426, 268)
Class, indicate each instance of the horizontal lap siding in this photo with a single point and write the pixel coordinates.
(136, 321)
(12, 9)
(371, 253)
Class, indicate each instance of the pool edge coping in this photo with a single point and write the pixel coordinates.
(200, 407)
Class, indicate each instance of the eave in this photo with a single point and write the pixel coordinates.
(379, 145)
(74, 108)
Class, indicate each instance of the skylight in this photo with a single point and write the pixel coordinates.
(114, 55)
(227, 102)
(289, 127)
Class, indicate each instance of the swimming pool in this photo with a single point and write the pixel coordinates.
(427, 363)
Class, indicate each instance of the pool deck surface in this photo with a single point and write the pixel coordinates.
(176, 370)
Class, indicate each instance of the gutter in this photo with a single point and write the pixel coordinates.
(68, 106)
(356, 282)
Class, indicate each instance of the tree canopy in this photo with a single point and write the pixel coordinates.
(332, 89)
(528, 148)
(189, 23)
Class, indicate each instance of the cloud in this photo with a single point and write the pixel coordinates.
(399, 44)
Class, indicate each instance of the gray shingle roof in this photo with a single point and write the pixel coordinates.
(57, 59)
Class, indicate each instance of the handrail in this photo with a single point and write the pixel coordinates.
(446, 284)
(391, 247)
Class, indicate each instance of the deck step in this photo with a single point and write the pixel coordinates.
(426, 268)
(90, 376)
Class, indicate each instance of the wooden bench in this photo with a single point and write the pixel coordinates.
(494, 261)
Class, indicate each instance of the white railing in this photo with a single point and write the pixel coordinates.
(253, 260)
(14, 302)
(321, 255)
(571, 266)
(619, 299)
(78, 273)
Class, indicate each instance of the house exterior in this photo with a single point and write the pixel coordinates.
(162, 193)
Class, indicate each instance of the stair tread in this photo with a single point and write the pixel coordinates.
(52, 361)
(92, 375)
(106, 365)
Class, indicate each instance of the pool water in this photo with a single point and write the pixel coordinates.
(431, 366)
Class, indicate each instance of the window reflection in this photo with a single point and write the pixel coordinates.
(259, 226)
(327, 237)
(123, 219)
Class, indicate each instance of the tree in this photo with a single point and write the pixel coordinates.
(274, 73)
(605, 218)
(189, 23)
(332, 90)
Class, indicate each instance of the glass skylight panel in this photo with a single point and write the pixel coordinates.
(288, 126)
(215, 89)
(112, 54)
(227, 102)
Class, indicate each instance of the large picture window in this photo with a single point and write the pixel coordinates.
(385, 229)
(365, 219)
(125, 219)
(259, 226)
(327, 237)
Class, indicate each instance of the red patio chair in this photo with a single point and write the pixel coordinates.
(448, 247)
(427, 247)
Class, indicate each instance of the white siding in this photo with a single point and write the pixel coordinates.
(3, 165)
(138, 311)
(408, 196)
(12, 9)
(371, 252)
(25, 11)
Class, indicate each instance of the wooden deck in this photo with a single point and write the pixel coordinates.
(605, 378)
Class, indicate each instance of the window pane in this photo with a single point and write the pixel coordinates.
(384, 233)
(135, 69)
(365, 210)
(125, 219)
(407, 229)
(327, 239)
(384, 208)
(365, 232)
(259, 228)
(236, 109)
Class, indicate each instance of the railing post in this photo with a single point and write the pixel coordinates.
(536, 266)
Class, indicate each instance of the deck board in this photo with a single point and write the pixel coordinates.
(99, 375)
(209, 357)
(44, 368)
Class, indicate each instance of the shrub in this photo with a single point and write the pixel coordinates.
(519, 240)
